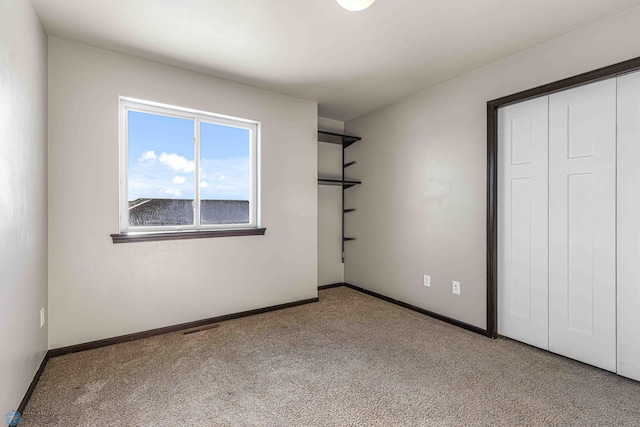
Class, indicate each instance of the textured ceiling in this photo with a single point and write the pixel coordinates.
(350, 62)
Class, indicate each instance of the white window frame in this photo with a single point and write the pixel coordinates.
(131, 104)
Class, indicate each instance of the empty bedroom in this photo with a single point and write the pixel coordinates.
(319, 213)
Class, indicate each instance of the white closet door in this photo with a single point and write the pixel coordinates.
(629, 226)
(582, 224)
(522, 222)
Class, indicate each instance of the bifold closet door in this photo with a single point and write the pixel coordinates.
(629, 226)
(582, 224)
(522, 222)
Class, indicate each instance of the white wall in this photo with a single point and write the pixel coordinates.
(330, 267)
(422, 160)
(98, 289)
(23, 198)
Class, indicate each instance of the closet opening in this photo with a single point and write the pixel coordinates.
(493, 106)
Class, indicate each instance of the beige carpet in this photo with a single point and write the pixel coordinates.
(349, 360)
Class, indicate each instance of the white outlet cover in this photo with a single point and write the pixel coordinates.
(427, 280)
(42, 319)
(455, 287)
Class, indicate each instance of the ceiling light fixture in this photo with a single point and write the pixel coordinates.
(355, 5)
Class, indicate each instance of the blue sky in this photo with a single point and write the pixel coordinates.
(161, 159)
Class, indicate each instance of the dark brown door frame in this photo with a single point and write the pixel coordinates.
(492, 166)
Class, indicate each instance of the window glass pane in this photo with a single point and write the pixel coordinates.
(161, 170)
(225, 185)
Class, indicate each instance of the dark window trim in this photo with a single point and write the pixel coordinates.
(611, 71)
(182, 235)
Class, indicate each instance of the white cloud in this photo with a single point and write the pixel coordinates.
(227, 179)
(179, 180)
(148, 156)
(173, 192)
(158, 181)
(177, 163)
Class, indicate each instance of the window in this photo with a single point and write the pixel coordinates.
(185, 170)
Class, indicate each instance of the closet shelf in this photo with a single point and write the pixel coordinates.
(336, 138)
(338, 182)
(344, 141)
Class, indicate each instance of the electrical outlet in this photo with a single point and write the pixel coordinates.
(455, 287)
(42, 317)
(427, 280)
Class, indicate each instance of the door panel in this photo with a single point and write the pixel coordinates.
(582, 224)
(522, 222)
(580, 251)
(629, 226)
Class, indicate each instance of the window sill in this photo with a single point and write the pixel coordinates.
(181, 235)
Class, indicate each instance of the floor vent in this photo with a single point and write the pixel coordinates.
(200, 329)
